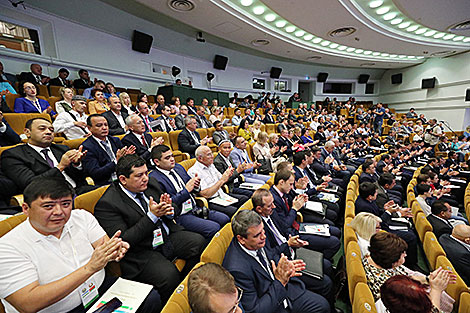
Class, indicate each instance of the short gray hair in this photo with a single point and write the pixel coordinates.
(200, 151)
(130, 118)
(329, 144)
(243, 220)
(188, 119)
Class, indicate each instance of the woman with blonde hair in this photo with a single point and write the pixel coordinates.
(65, 104)
(126, 103)
(263, 153)
(216, 115)
(365, 225)
(277, 156)
(256, 129)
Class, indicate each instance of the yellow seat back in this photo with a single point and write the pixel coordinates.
(215, 250)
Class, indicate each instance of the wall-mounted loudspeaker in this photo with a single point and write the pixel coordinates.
(363, 78)
(210, 76)
(428, 83)
(397, 78)
(141, 42)
(467, 95)
(321, 77)
(175, 70)
(220, 62)
(275, 72)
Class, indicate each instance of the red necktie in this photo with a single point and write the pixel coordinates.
(148, 125)
(143, 141)
(294, 224)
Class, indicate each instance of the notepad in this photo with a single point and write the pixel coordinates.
(251, 186)
(315, 229)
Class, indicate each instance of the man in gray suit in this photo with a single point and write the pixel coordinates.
(220, 133)
(201, 119)
(179, 119)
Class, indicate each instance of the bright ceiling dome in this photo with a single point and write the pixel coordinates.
(458, 38)
(430, 33)
(270, 17)
(375, 4)
(290, 29)
(449, 36)
(376, 53)
(421, 31)
(308, 37)
(382, 10)
(359, 50)
(258, 10)
(334, 45)
(350, 49)
(440, 35)
(341, 48)
(390, 16)
(281, 24)
(404, 25)
(317, 40)
(246, 3)
(367, 52)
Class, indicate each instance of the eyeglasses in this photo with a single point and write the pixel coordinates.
(240, 294)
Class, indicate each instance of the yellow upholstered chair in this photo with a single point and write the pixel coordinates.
(73, 143)
(464, 306)
(187, 164)
(174, 139)
(18, 120)
(422, 225)
(348, 232)
(10, 100)
(215, 250)
(350, 210)
(87, 201)
(355, 270)
(432, 248)
(454, 290)
(363, 300)
(178, 302)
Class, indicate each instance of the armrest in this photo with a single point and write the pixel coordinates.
(90, 181)
(300, 217)
(242, 178)
(17, 200)
(202, 202)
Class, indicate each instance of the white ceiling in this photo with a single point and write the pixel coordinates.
(319, 17)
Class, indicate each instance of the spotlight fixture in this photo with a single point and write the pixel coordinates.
(199, 37)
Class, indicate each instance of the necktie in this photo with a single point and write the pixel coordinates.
(108, 150)
(181, 185)
(260, 256)
(37, 105)
(38, 79)
(167, 247)
(167, 126)
(147, 123)
(144, 142)
(46, 156)
(294, 224)
(273, 228)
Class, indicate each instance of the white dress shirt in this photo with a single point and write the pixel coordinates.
(209, 176)
(64, 123)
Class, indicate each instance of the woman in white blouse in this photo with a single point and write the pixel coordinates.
(65, 104)
(365, 225)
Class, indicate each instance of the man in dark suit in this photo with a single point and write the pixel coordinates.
(189, 139)
(201, 119)
(269, 118)
(103, 151)
(35, 76)
(7, 76)
(179, 118)
(61, 80)
(457, 248)
(285, 142)
(287, 207)
(223, 161)
(175, 181)
(440, 218)
(221, 134)
(167, 123)
(137, 207)
(267, 287)
(115, 117)
(322, 169)
(142, 141)
(8, 137)
(190, 105)
(84, 81)
(40, 158)
(283, 125)
(144, 112)
(320, 135)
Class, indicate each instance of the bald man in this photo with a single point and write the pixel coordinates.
(457, 248)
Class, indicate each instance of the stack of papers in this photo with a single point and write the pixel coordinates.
(315, 229)
(328, 197)
(226, 200)
(331, 189)
(251, 186)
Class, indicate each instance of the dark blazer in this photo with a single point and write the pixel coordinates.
(97, 163)
(320, 168)
(80, 84)
(22, 164)
(11, 78)
(268, 119)
(320, 136)
(186, 143)
(218, 136)
(142, 151)
(261, 292)
(29, 77)
(281, 127)
(286, 216)
(380, 166)
(458, 254)
(113, 123)
(375, 143)
(284, 142)
(117, 211)
(367, 206)
(299, 174)
(439, 227)
(9, 137)
(57, 82)
(163, 129)
(371, 178)
(199, 121)
(221, 166)
(178, 198)
(179, 121)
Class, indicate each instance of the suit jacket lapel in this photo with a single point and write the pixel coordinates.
(30, 151)
(255, 264)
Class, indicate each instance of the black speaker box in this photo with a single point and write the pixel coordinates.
(363, 78)
(428, 83)
(141, 42)
(220, 62)
(397, 78)
(467, 95)
(321, 77)
(275, 72)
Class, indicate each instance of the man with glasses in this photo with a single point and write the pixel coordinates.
(211, 288)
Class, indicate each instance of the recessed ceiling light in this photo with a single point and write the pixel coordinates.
(411, 57)
(412, 28)
(390, 16)
(270, 17)
(325, 43)
(350, 49)
(458, 38)
(430, 33)
(281, 24)
(393, 55)
(290, 29)
(260, 42)
(383, 10)
(396, 21)
(334, 45)
(299, 33)
(449, 36)
(420, 57)
(342, 32)
(308, 37)
(359, 50)
(375, 4)
(367, 52)
(466, 39)
(317, 40)
(246, 3)
(440, 35)
(368, 64)
(402, 56)
(384, 54)
(258, 10)
(421, 31)
(376, 53)
(404, 25)
(341, 48)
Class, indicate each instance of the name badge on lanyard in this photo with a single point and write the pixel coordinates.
(187, 206)
(157, 238)
(88, 292)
